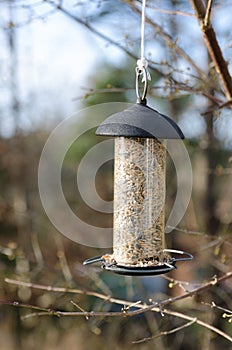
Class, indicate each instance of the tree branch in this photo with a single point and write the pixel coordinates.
(171, 331)
(124, 313)
(109, 40)
(140, 308)
(203, 16)
(199, 322)
(97, 32)
(163, 303)
(171, 43)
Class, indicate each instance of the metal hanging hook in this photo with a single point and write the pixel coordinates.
(141, 95)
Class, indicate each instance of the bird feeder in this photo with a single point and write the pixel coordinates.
(139, 184)
(139, 192)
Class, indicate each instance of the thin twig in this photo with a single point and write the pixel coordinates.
(182, 284)
(178, 87)
(33, 307)
(199, 322)
(191, 89)
(128, 307)
(97, 32)
(169, 12)
(227, 171)
(28, 21)
(184, 230)
(218, 107)
(171, 331)
(213, 282)
(212, 244)
(171, 42)
(78, 307)
(63, 260)
(141, 309)
(122, 47)
(213, 305)
(92, 92)
(36, 249)
(57, 289)
(38, 314)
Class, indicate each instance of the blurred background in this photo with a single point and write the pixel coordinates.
(58, 57)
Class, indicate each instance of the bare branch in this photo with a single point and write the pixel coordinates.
(191, 232)
(123, 48)
(227, 312)
(157, 305)
(140, 308)
(33, 307)
(171, 331)
(91, 92)
(78, 307)
(227, 104)
(127, 314)
(212, 44)
(96, 32)
(171, 43)
(169, 12)
(180, 87)
(199, 322)
(63, 260)
(58, 289)
(31, 19)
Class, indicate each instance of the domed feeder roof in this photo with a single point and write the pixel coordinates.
(139, 120)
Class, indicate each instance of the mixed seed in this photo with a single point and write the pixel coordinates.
(139, 197)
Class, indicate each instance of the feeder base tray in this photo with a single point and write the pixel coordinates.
(141, 271)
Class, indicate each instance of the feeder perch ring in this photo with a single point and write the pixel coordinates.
(141, 271)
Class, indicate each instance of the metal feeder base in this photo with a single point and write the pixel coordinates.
(141, 271)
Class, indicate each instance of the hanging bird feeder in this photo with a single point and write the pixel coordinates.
(139, 187)
(139, 192)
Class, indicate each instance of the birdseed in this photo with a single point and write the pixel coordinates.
(139, 198)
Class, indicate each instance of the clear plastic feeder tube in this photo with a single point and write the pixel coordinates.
(139, 201)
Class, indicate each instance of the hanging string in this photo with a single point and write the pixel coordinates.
(142, 63)
(143, 20)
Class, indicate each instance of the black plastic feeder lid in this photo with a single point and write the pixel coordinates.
(140, 121)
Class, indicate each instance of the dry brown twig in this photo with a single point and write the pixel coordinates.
(211, 42)
(203, 16)
(227, 313)
(127, 305)
(171, 331)
(171, 42)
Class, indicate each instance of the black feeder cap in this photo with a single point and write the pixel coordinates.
(139, 120)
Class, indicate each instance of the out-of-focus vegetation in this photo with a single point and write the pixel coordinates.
(31, 250)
